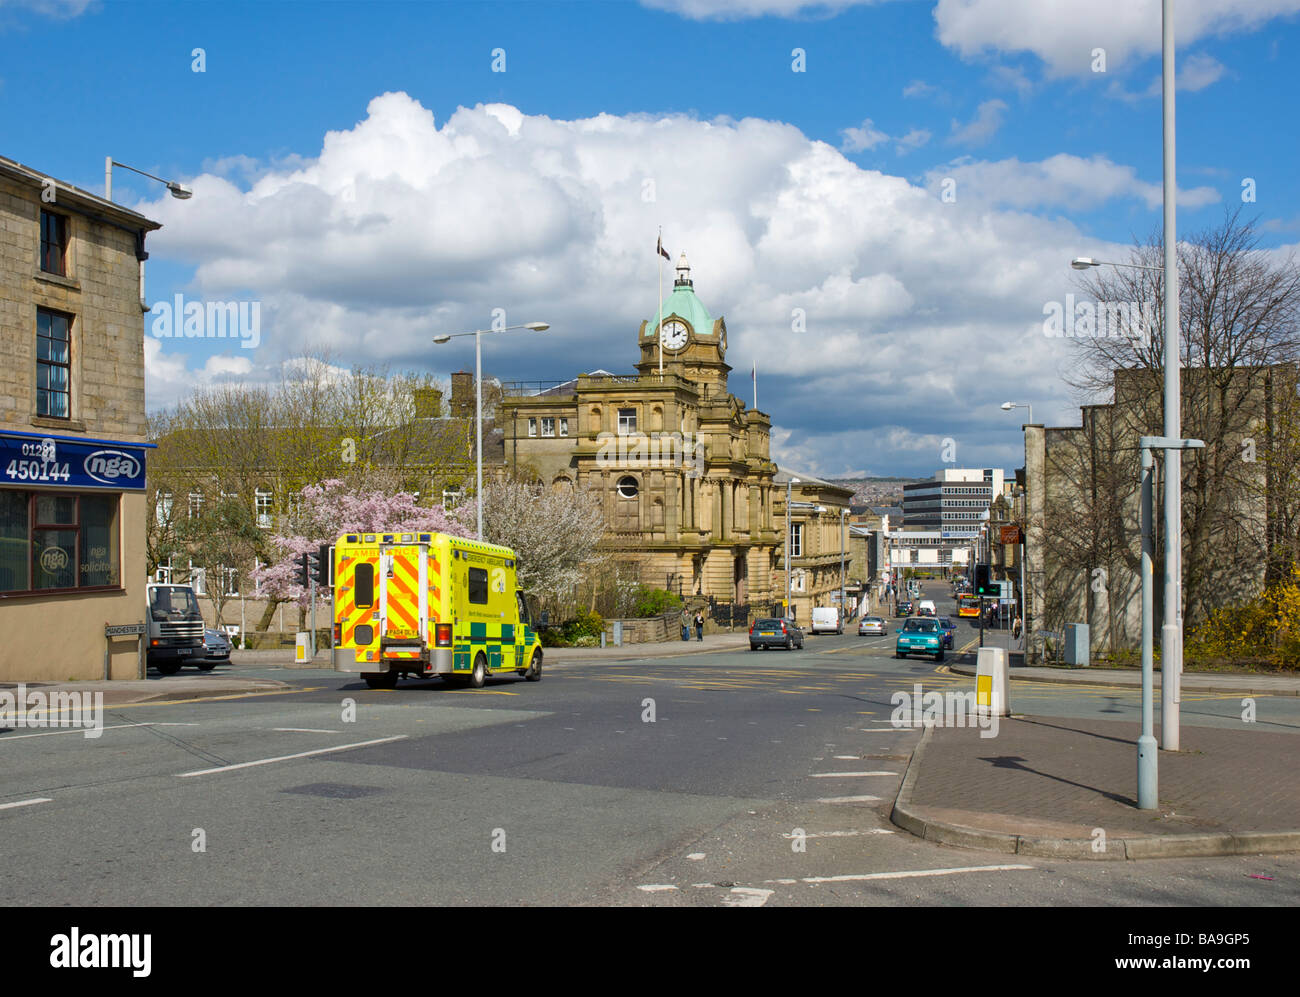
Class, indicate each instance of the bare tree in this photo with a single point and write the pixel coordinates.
(1238, 309)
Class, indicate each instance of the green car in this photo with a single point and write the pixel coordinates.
(920, 635)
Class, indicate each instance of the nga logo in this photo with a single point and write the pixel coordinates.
(110, 465)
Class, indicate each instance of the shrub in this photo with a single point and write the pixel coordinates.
(655, 602)
(589, 624)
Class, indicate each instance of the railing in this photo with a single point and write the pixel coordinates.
(516, 389)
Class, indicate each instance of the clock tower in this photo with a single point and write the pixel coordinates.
(694, 343)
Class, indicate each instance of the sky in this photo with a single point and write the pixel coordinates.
(881, 197)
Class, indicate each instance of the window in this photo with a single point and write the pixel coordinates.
(53, 363)
(58, 541)
(230, 580)
(262, 499)
(532, 427)
(548, 426)
(199, 579)
(478, 586)
(627, 487)
(163, 508)
(626, 421)
(54, 243)
(450, 498)
(797, 581)
(196, 505)
(564, 427)
(796, 540)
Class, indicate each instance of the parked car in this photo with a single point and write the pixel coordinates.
(216, 650)
(904, 609)
(919, 636)
(871, 625)
(949, 628)
(772, 632)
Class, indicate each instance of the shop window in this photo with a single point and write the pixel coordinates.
(58, 542)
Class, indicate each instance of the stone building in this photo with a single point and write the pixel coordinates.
(684, 466)
(72, 428)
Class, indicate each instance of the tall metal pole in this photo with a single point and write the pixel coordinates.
(1148, 780)
(788, 484)
(1171, 632)
(478, 420)
(843, 513)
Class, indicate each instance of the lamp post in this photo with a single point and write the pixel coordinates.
(1008, 406)
(843, 512)
(788, 485)
(178, 190)
(478, 396)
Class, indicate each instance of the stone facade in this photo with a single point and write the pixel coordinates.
(73, 259)
(683, 466)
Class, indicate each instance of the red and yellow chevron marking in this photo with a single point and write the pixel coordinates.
(404, 594)
(347, 615)
(435, 583)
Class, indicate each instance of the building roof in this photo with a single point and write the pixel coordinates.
(684, 304)
(78, 199)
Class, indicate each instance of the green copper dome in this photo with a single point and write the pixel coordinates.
(684, 304)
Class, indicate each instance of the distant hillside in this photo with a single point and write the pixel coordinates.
(875, 491)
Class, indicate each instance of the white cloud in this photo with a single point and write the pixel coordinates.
(1060, 181)
(914, 139)
(981, 128)
(865, 137)
(919, 88)
(1064, 35)
(402, 228)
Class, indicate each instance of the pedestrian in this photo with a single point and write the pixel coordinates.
(1015, 628)
(686, 624)
(699, 625)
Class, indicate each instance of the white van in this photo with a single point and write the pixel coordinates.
(826, 620)
(926, 608)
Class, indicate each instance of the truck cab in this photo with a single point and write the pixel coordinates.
(175, 628)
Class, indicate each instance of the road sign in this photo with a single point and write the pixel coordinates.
(124, 630)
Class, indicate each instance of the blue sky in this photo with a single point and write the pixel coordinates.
(467, 189)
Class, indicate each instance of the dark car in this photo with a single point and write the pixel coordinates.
(948, 628)
(216, 650)
(773, 632)
(904, 609)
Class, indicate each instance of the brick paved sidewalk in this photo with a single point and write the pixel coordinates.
(1061, 778)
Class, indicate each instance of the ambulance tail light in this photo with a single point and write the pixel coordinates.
(442, 635)
(338, 633)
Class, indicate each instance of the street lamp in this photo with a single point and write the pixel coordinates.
(788, 485)
(478, 392)
(1008, 406)
(1085, 262)
(843, 512)
(178, 190)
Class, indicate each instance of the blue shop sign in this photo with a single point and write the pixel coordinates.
(71, 462)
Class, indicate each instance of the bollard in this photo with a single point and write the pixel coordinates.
(992, 697)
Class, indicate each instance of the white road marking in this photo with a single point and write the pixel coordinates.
(24, 803)
(850, 799)
(838, 834)
(845, 775)
(847, 758)
(80, 730)
(655, 888)
(305, 730)
(911, 874)
(746, 896)
(286, 758)
(695, 856)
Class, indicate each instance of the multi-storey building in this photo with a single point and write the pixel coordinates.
(72, 428)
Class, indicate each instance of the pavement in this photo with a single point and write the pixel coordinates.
(1066, 787)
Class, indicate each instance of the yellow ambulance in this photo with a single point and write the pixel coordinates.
(425, 604)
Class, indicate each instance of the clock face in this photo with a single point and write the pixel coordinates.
(673, 334)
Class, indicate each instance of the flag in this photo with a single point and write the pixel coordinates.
(663, 252)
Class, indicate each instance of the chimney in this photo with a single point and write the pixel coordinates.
(428, 403)
(462, 395)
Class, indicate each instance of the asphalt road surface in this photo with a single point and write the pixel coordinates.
(725, 779)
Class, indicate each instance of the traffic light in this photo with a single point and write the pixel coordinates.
(324, 565)
(985, 586)
(302, 572)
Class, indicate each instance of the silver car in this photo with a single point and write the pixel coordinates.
(871, 626)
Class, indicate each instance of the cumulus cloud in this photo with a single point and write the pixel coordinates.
(981, 128)
(1064, 35)
(868, 136)
(1057, 182)
(403, 227)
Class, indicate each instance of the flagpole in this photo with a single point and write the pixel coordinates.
(754, 374)
(659, 256)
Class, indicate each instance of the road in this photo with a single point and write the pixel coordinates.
(725, 779)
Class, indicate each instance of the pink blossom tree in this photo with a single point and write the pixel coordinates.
(329, 510)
